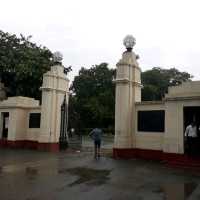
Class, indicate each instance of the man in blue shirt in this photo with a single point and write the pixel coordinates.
(96, 135)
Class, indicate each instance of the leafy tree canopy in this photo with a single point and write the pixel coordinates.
(93, 97)
(22, 64)
(157, 80)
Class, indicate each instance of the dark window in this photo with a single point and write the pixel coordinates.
(151, 121)
(34, 120)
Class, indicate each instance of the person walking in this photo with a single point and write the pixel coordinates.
(191, 137)
(96, 135)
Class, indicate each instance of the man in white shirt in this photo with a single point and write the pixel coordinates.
(191, 137)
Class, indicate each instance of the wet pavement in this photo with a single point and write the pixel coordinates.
(32, 175)
(107, 142)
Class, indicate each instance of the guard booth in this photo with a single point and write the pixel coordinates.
(24, 123)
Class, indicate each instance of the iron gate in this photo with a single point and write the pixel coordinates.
(63, 140)
(75, 140)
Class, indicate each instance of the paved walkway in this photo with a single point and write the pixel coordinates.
(32, 175)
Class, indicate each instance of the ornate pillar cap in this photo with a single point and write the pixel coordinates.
(129, 41)
(57, 57)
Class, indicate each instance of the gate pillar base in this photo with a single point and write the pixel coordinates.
(52, 147)
(63, 145)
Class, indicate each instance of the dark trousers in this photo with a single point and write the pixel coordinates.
(191, 145)
(97, 145)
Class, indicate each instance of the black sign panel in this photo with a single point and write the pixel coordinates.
(151, 121)
(34, 120)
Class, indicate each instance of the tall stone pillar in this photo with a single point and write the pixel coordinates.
(54, 88)
(128, 91)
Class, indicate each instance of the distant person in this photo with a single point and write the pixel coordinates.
(72, 131)
(191, 137)
(96, 135)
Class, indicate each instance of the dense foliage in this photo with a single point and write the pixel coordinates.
(156, 82)
(92, 99)
(22, 65)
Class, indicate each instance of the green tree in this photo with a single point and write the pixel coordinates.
(22, 65)
(157, 80)
(93, 97)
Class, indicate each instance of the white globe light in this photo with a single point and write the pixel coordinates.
(129, 42)
(57, 57)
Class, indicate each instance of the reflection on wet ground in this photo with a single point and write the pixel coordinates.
(177, 191)
(11, 168)
(79, 176)
(31, 171)
(87, 175)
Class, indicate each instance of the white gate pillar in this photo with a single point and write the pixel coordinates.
(128, 91)
(54, 87)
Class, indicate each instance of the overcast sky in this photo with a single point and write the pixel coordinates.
(89, 32)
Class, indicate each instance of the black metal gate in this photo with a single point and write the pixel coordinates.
(63, 140)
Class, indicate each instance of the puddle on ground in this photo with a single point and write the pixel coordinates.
(88, 175)
(177, 191)
(31, 172)
(10, 168)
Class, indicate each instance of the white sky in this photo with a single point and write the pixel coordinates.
(89, 32)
